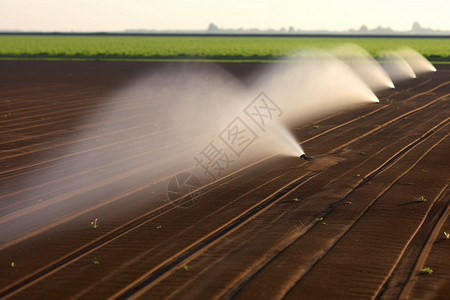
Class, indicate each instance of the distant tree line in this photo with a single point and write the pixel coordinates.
(416, 28)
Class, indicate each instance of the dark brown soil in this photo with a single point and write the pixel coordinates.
(348, 225)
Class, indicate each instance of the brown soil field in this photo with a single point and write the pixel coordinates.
(347, 225)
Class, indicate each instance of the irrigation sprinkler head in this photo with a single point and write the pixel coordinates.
(306, 157)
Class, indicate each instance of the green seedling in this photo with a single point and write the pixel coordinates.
(96, 262)
(320, 219)
(316, 126)
(358, 175)
(363, 153)
(447, 235)
(12, 264)
(296, 199)
(186, 268)
(94, 224)
(427, 271)
(421, 199)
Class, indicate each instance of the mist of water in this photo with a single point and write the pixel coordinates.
(364, 65)
(283, 141)
(418, 63)
(396, 66)
(315, 85)
(177, 117)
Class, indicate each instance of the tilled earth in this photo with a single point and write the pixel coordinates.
(361, 221)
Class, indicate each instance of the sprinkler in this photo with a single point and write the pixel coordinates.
(306, 157)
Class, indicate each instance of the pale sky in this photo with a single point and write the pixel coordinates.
(118, 15)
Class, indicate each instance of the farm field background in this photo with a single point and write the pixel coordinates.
(226, 48)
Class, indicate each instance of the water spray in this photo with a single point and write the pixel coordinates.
(314, 85)
(417, 61)
(364, 65)
(164, 122)
(396, 66)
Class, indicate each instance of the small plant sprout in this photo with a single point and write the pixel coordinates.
(296, 199)
(447, 235)
(12, 265)
(316, 126)
(421, 199)
(320, 219)
(426, 271)
(363, 153)
(186, 268)
(94, 224)
(96, 262)
(358, 175)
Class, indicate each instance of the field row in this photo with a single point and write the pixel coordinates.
(210, 48)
